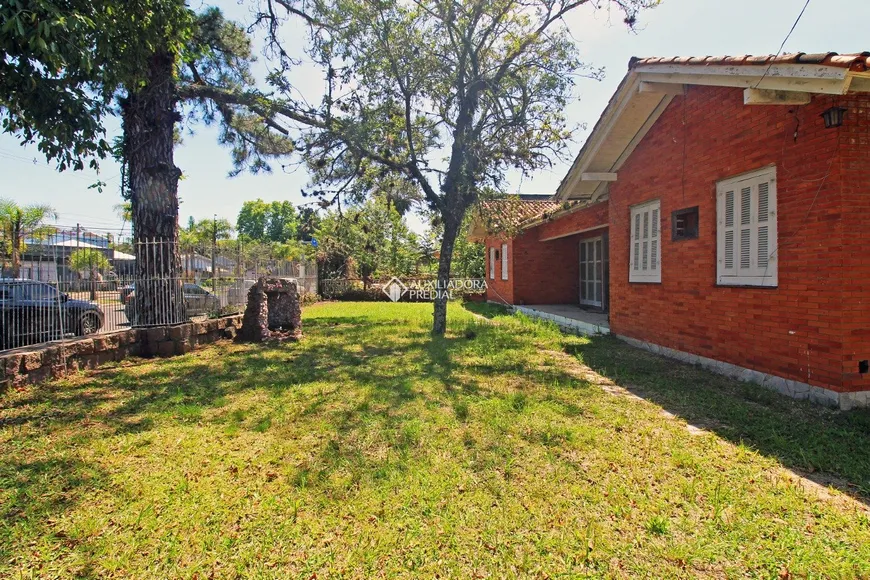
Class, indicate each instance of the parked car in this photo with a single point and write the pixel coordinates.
(197, 301)
(32, 312)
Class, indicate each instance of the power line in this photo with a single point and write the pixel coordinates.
(86, 226)
(781, 46)
(92, 217)
(89, 218)
(91, 177)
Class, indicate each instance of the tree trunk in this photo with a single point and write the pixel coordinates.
(149, 119)
(451, 229)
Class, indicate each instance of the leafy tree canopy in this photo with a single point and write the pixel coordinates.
(19, 222)
(273, 222)
(309, 221)
(88, 260)
(64, 61)
(200, 235)
(370, 240)
(447, 94)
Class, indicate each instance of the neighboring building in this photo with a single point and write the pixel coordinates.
(69, 237)
(197, 265)
(713, 213)
(42, 270)
(48, 261)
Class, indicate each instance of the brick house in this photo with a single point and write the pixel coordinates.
(718, 213)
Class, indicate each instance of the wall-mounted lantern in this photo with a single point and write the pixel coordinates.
(834, 117)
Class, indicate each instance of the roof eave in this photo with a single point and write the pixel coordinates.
(606, 117)
(810, 78)
(645, 78)
(631, 112)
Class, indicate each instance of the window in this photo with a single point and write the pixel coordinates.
(33, 291)
(645, 259)
(194, 289)
(746, 229)
(492, 263)
(684, 224)
(504, 262)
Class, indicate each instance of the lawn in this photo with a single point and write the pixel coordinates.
(369, 449)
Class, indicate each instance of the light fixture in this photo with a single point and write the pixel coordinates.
(834, 117)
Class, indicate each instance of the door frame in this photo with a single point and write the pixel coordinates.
(603, 272)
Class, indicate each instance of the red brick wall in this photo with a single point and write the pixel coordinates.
(796, 330)
(578, 221)
(853, 166)
(546, 272)
(499, 290)
(549, 272)
(815, 326)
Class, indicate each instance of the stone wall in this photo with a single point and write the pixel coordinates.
(273, 311)
(43, 362)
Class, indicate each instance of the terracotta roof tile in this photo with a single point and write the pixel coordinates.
(856, 61)
(510, 213)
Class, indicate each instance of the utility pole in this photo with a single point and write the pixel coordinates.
(213, 248)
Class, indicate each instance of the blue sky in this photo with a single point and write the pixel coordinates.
(675, 28)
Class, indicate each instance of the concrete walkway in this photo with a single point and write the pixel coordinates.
(569, 317)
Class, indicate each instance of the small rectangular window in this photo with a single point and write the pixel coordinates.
(504, 262)
(684, 224)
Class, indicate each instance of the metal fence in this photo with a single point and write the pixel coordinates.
(54, 291)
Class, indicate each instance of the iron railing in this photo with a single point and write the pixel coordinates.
(55, 291)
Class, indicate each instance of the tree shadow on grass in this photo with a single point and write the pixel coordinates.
(372, 354)
(824, 445)
(40, 490)
(361, 380)
(485, 309)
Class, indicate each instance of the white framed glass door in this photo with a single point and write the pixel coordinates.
(592, 272)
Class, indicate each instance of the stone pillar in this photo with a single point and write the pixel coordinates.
(273, 311)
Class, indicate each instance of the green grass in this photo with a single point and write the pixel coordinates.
(371, 449)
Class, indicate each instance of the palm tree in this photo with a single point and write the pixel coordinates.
(125, 212)
(19, 222)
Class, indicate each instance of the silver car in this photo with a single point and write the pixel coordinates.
(197, 302)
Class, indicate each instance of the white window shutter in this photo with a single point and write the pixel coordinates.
(763, 223)
(636, 242)
(726, 235)
(645, 247)
(654, 240)
(746, 229)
